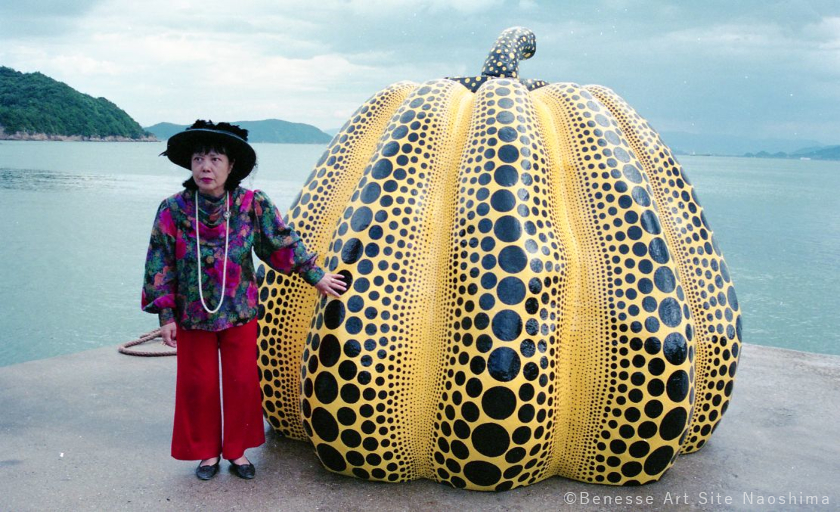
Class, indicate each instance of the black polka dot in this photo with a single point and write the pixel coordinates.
(513, 259)
(346, 416)
(331, 458)
(631, 469)
(650, 222)
(631, 172)
(482, 473)
(382, 169)
(352, 251)
(670, 312)
(639, 449)
(658, 250)
(505, 117)
(619, 152)
(353, 325)
(326, 387)
(502, 201)
(515, 455)
(677, 386)
(361, 219)
(641, 196)
(658, 460)
(506, 176)
(511, 290)
(347, 370)
(474, 387)
(461, 429)
(324, 424)
(665, 279)
(329, 351)
(527, 348)
(673, 424)
(507, 134)
(334, 314)
(490, 439)
(733, 300)
(508, 153)
(507, 325)
(390, 149)
(675, 348)
(370, 193)
(531, 371)
(653, 409)
(351, 438)
(399, 132)
(653, 345)
(507, 229)
(521, 435)
(503, 364)
(352, 348)
(498, 402)
(355, 458)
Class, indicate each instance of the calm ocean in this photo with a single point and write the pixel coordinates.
(76, 218)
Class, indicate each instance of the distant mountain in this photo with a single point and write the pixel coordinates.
(268, 130)
(819, 153)
(164, 130)
(33, 106)
(722, 144)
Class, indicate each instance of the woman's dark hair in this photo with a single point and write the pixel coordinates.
(233, 179)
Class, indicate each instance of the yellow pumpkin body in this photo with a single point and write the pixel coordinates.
(534, 291)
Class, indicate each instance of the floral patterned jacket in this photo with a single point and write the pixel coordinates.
(170, 287)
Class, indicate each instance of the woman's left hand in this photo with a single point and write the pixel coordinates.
(331, 284)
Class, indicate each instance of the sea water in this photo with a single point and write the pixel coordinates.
(75, 219)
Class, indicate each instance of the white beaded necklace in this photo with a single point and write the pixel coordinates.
(198, 255)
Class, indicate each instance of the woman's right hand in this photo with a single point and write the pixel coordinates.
(169, 331)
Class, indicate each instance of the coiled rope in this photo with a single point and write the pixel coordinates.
(123, 348)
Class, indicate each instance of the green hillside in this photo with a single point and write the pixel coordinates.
(33, 103)
(268, 130)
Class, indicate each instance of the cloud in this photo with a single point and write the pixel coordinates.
(380, 8)
(43, 18)
(687, 65)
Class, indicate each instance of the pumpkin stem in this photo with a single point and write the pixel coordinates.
(515, 43)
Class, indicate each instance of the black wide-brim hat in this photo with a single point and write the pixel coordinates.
(181, 146)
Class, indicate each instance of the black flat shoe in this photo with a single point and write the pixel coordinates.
(207, 472)
(246, 471)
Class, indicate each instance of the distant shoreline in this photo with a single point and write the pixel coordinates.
(42, 137)
(79, 138)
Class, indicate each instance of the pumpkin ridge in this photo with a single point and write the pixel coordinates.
(583, 227)
(458, 129)
(714, 368)
(388, 364)
(568, 454)
(599, 151)
(314, 211)
(496, 348)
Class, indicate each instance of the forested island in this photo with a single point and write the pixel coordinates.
(33, 106)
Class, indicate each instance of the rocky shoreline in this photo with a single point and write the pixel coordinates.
(72, 138)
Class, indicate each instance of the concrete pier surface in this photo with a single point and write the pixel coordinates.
(91, 431)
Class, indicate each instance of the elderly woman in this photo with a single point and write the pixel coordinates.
(200, 281)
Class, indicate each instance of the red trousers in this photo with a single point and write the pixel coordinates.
(197, 432)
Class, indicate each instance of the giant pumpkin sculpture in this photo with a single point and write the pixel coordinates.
(535, 291)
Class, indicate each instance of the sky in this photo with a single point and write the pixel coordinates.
(749, 68)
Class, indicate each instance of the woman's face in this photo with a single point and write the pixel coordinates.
(210, 171)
